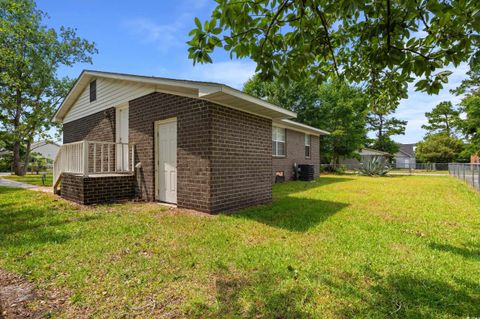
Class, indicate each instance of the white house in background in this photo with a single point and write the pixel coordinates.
(46, 149)
(365, 154)
(405, 157)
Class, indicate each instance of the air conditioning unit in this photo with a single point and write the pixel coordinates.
(306, 172)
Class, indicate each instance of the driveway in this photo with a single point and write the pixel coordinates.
(10, 183)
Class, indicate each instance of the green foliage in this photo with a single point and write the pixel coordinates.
(471, 85)
(334, 106)
(443, 119)
(30, 55)
(384, 125)
(470, 105)
(384, 144)
(470, 126)
(382, 43)
(440, 148)
(38, 163)
(375, 166)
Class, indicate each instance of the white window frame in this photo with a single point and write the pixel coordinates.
(276, 138)
(308, 143)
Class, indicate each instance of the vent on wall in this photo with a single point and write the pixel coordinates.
(279, 176)
(93, 90)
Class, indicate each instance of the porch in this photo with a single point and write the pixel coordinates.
(90, 172)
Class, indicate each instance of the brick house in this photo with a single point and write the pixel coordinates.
(198, 145)
(474, 159)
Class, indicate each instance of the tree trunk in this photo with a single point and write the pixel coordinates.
(16, 158)
(26, 159)
(16, 124)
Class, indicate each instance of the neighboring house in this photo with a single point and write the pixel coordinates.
(46, 149)
(405, 157)
(474, 159)
(365, 155)
(200, 145)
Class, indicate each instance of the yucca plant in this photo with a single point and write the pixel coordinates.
(376, 166)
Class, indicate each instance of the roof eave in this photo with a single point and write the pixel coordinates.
(204, 90)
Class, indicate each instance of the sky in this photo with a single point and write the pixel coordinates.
(149, 38)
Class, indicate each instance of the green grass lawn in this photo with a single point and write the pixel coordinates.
(341, 247)
(419, 171)
(33, 179)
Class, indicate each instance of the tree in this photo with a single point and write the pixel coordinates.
(471, 85)
(365, 41)
(30, 90)
(440, 148)
(334, 106)
(470, 126)
(470, 105)
(385, 126)
(443, 118)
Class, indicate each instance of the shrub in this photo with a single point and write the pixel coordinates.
(376, 166)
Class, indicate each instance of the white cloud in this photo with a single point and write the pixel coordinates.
(167, 35)
(234, 73)
(164, 36)
(413, 109)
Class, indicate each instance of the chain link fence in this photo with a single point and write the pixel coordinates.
(470, 173)
(404, 169)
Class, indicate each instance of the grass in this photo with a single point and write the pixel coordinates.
(30, 178)
(419, 171)
(341, 247)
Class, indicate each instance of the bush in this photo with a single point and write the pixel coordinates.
(376, 166)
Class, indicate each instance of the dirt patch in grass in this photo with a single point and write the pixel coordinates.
(20, 299)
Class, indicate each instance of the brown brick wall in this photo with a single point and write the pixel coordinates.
(218, 150)
(295, 153)
(95, 190)
(241, 159)
(223, 155)
(95, 127)
(193, 145)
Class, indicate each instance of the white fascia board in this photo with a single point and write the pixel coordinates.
(255, 100)
(303, 127)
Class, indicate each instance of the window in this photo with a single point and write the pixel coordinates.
(278, 141)
(307, 146)
(93, 90)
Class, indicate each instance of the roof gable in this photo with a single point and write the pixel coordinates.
(114, 89)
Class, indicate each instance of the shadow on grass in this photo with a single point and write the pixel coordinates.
(467, 252)
(295, 213)
(410, 296)
(256, 296)
(22, 225)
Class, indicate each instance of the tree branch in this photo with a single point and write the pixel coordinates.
(327, 35)
(282, 7)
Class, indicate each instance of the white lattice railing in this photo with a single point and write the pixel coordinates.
(92, 157)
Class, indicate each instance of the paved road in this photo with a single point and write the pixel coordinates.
(9, 183)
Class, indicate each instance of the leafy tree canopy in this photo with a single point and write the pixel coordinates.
(443, 118)
(440, 148)
(30, 55)
(470, 126)
(385, 126)
(470, 105)
(334, 106)
(380, 43)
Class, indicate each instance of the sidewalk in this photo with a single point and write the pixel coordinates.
(9, 183)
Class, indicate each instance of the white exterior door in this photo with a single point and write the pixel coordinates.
(122, 137)
(166, 161)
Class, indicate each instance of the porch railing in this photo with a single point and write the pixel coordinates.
(93, 158)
